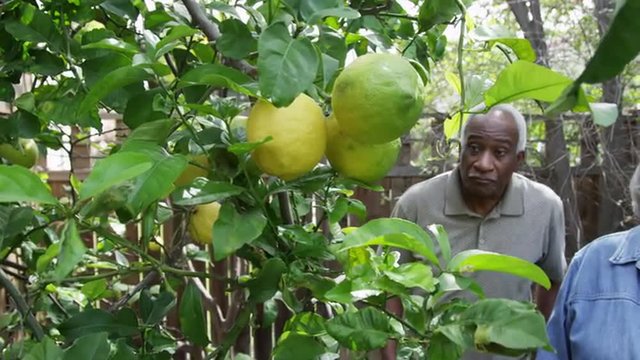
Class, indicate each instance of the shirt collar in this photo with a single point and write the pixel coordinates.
(512, 203)
(629, 250)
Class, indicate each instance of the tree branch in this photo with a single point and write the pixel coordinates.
(210, 29)
(22, 306)
(146, 282)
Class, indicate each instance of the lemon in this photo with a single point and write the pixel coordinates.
(202, 220)
(298, 137)
(198, 167)
(25, 153)
(352, 159)
(377, 98)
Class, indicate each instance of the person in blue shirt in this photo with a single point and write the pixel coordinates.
(597, 312)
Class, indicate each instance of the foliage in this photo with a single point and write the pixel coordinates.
(179, 75)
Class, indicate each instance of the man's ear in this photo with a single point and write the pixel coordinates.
(520, 157)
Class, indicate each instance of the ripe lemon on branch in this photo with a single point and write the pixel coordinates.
(377, 98)
(352, 159)
(201, 222)
(198, 167)
(298, 136)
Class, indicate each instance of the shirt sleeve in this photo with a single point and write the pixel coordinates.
(553, 261)
(559, 325)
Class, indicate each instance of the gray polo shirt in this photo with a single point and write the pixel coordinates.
(527, 223)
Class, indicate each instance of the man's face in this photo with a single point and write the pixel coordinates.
(490, 156)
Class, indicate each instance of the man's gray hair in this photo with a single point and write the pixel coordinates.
(634, 190)
(521, 124)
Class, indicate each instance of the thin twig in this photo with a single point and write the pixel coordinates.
(463, 20)
(146, 282)
(210, 29)
(22, 306)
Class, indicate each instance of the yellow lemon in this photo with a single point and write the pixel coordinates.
(298, 136)
(198, 167)
(352, 159)
(377, 98)
(202, 220)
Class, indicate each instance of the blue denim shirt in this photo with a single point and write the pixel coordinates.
(597, 312)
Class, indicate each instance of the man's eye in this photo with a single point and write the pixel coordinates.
(500, 153)
(473, 148)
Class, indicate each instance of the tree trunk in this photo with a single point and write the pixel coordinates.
(615, 142)
(556, 154)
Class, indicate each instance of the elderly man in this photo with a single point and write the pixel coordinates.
(597, 312)
(483, 204)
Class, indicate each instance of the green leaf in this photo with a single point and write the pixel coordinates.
(434, 12)
(339, 12)
(113, 81)
(453, 125)
(296, 346)
(35, 26)
(413, 275)
(392, 232)
(478, 260)
(604, 114)
(94, 289)
(14, 220)
(192, 317)
(169, 42)
(92, 321)
(498, 34)
(232, 230)
(265, 285)
(618, 46)
(93, 346)
(526, 80)
(286, 66)
(18, 184)
(7, 93)
(509, 323)
(114, 170)
(236, 40)
(71, 250)
(219, 76)
(443, 240)
(122, 8)
(149, 133)
(157, 182)
(204, 191)
(161, 306)
(140, 110)
(441, 347)
(44, 350)
(306, 323)
(365, 329)
(46, 63)
(113, 44)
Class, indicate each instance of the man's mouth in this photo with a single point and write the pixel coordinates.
(482, 180)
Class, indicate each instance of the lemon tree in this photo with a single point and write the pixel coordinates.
(377, 98)
(180, 79)
(361, 161)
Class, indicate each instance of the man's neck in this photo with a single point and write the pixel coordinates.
(480, 206)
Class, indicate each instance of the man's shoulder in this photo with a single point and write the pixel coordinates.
(602, 248)
(538, 191)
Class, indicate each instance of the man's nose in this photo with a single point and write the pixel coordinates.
(484, 162)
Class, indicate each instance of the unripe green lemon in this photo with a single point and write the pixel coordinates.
(353, 159)
(377, 98)
(24, 153)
